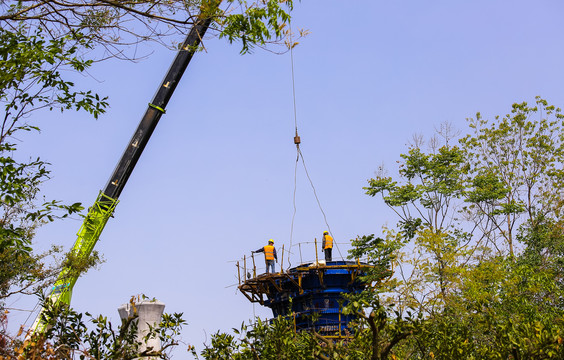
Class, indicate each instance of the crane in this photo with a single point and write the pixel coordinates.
(103, 208)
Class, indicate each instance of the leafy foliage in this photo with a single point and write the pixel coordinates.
(116, 25)
(466, 210)
(515, 169)
(276, 340)
(71, 337)
(257, 25)
(31, 79)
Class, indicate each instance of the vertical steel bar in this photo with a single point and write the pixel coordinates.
(282, 261)
(254, 266)
(339, 321)
(239, 273)
(316, 259)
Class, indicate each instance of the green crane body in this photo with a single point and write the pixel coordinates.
(103, 208)
(88, 236)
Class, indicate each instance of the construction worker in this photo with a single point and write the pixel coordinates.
(327, 245)
(269, 255)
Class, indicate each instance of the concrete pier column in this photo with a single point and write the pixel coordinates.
(150, 313)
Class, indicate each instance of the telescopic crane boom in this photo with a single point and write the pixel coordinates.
(103, 207)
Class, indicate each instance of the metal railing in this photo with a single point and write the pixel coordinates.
(252, 265)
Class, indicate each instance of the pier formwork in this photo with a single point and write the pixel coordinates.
(311, 294)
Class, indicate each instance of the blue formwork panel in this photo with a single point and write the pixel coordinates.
(321, 292)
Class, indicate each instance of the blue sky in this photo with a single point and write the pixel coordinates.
(217, 178)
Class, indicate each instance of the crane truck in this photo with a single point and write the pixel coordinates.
(103, 208)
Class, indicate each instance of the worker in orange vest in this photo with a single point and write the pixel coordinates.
(269, 255)
(327, 245)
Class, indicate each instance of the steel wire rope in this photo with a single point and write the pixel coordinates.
(294, 214)
(299, 154)
(297, 145)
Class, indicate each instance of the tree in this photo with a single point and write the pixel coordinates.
(262, 340)
(31, 80)
(116, 25)
(515, 169)
(427, 207)
(482, 228)
(381, 326)
(69, 337)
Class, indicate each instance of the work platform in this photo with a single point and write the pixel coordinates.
(308, 291)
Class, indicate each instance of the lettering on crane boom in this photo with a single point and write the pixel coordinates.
(59, 288)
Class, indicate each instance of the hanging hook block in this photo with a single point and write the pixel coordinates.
(297, 140)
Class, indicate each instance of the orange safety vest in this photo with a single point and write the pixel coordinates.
(269, 252)
(328, 242)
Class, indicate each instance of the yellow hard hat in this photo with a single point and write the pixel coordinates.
(271, 241)
(326, 232)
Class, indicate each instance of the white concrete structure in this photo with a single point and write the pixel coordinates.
(150, 313)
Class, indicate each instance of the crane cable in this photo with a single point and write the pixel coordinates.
(297, 141)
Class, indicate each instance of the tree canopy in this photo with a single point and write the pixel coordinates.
(117, 25)
(473, 269)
